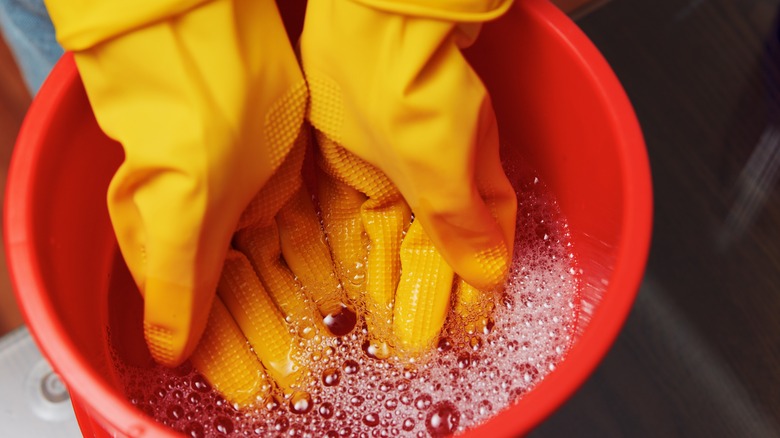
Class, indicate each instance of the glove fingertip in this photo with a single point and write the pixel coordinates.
(486, 268)
(162, 345)
(174, 321)
(472, 243)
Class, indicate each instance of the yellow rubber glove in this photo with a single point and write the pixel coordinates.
(208, 101)
(401, 116)
(278, 256)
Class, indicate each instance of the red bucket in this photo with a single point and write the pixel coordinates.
(557, 102)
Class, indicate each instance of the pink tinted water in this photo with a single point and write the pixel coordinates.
(466, 380)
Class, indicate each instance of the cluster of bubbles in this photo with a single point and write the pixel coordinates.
(466, 380)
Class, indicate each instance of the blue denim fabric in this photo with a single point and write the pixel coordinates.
(29, 33)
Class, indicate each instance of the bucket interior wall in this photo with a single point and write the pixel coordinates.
(72, 233)
(553, 116)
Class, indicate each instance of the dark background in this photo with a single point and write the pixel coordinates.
(700, 352)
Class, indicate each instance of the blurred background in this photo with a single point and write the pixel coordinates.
(700, 352)
(14, 100)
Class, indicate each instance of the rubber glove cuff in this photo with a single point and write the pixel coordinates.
(459, 11)
(86, 23)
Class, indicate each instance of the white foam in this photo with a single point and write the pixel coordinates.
(477, 375)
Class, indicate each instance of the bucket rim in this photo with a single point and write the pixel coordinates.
(582, 359)
(24, 269)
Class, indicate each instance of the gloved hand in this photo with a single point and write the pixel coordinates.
(208, 101)
(404, 123)
(259, 298)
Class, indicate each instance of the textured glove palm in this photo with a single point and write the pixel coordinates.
(404, 124)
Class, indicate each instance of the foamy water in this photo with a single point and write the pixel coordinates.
(468, 379)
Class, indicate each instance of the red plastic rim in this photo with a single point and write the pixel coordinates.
(608, 319)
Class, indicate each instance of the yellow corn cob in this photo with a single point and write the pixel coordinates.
(279, 256)
(340, 206)
(473, 306)
(423, 295)
(261, 247)
(307, 254)
(261, 322)
(225, 359)
(281, 221)
(384, 225)
(383, 217)
(407, 289)
(409, 308)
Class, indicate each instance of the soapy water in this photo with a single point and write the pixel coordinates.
(465, 380)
